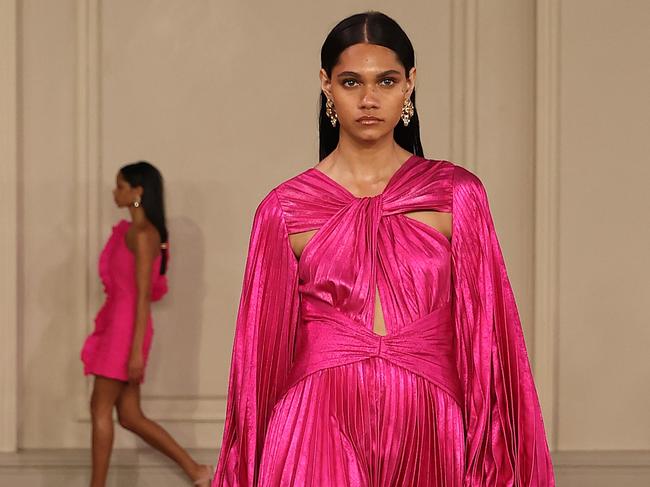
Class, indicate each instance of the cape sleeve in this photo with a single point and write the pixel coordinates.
(505, 439)
(263, 346)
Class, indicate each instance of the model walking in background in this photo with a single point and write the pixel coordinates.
(132, 268)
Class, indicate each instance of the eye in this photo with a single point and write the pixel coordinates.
(350, 83)
(387, 82)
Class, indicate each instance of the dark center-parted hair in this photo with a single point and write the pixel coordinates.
(146, 176)
(367, 28)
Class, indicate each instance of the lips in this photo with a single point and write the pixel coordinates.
(367, 120)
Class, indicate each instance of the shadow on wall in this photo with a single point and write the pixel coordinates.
(174, 367)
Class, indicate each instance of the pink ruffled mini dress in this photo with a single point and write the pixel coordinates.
(106, 351)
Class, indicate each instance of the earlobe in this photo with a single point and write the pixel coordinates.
(325, 84)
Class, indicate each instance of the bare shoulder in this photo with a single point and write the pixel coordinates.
(143, 238)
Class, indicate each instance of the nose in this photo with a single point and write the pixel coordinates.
(369, 98)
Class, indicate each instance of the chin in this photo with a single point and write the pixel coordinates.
(371, 134)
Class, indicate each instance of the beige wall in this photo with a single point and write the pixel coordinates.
(225, 104)
(592, 236)
(224, 101)
(604, 226)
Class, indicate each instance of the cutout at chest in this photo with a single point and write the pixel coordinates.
(300, 240)
(442, 222)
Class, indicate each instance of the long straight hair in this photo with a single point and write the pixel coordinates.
(368, 28)
(145, 175)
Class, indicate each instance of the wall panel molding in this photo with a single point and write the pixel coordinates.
(547, 212)
(9, 225)
(464, 82)
(206, 409)
(86, 162)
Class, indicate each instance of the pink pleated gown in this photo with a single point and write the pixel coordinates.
(107, 349)
(318, 399)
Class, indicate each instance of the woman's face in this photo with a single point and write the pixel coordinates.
(368, 87)
(124, 194)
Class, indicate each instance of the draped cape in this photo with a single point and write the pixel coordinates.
(505, 443)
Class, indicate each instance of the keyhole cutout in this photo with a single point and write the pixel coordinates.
(379, 325)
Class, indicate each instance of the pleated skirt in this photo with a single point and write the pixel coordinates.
(367, 424)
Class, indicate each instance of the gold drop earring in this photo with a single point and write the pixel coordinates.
(407, 111)
(330, 111)
(137, 203)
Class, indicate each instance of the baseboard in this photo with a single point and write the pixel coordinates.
(143, 468)
(618, 468)
(71, 468)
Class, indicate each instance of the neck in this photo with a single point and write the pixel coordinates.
(137, 215)
(361, 158)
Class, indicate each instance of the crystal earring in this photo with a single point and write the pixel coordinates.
(407, 112)
(136, 203)
(330, 111)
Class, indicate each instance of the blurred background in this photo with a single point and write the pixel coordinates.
(547, 101)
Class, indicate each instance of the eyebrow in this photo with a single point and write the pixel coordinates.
(345, 74)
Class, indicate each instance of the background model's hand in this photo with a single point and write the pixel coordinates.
(136, 368)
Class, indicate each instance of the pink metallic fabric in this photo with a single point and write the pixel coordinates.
(317, 398)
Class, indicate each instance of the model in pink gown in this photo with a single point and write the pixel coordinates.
(106, 351)
(318, 399)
